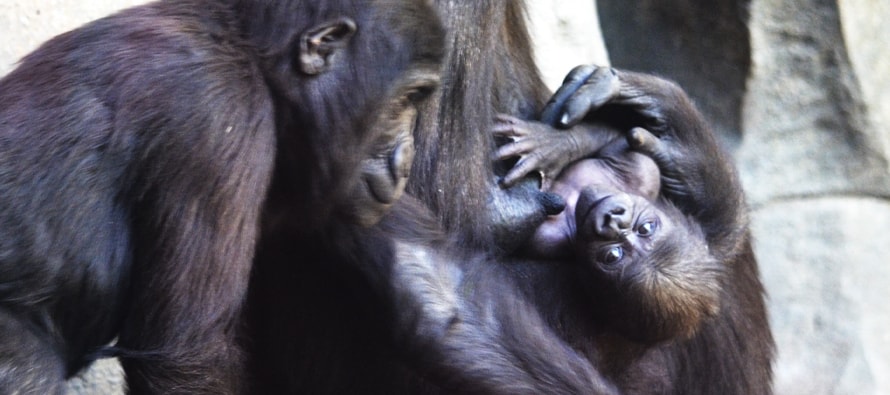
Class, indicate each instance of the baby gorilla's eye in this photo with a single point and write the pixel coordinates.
(613, 255)
(647, 229)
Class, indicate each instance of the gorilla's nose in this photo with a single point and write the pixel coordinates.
(553, 203)
(617, 219)
(614, 216)
(603, 214)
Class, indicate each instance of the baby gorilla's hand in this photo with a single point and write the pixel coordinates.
(542, 148)
(622, 98)
(666, 155)
(585, 89)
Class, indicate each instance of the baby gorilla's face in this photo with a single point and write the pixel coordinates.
(616, 227)
(630, 175)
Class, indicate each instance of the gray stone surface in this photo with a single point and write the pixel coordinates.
(24, 24)
(814, 160)
(105, 377)
(566, 34)
(701, 44)
(808, 127)
(824, 264)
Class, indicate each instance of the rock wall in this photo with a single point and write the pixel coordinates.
(25, 24)
(815, 162)
(566, 33)
(799, 91)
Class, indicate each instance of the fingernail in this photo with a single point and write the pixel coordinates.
(565, 119)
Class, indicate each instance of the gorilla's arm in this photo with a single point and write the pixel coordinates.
(661, 122)
(467, 319)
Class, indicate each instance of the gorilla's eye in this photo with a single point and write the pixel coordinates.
(613, 255)
(418, 94)
(647, 229)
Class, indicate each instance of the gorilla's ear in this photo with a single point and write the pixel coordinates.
(320, 44)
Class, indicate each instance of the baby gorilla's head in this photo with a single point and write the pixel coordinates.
(649, 268)
(622, 171)
(652, 274)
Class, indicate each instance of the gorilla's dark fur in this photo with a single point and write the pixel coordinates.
(136, 155)
(432, 300)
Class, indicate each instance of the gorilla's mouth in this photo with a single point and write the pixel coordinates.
(385, 177)
(379, 190)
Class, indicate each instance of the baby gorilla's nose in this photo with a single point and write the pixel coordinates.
(604, 214)
(615, 216)
(618, 220)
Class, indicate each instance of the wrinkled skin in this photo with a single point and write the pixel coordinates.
(637, 179)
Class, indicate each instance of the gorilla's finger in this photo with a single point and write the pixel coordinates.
(600, 88)
(507, 130)
(644, 142)
(641, 140)
(574, 80)
(522, 168)
(579, 74)
(514, 149)
(506, 118)
(509, 126)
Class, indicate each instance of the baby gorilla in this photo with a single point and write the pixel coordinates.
(652, 275)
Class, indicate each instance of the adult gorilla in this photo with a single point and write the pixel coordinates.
(136, 155)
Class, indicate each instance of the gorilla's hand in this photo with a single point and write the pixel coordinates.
(545, 149)
(668, 156)
(584, 89)
(658, 120)
(587, 89)
(539, 147)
